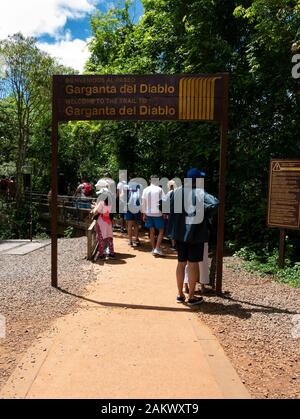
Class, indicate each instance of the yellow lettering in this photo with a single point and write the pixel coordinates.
(69, 111)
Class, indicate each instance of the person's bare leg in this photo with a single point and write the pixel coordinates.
(180, 277)
(152, 237)
(160, 237)
(193, 277)
(136, 231)
(129, 230)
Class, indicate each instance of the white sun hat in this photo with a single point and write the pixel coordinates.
(101, 184)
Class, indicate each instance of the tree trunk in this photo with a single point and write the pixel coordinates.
(20, 164)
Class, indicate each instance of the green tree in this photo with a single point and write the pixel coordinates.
(26, 91)
(251, 40)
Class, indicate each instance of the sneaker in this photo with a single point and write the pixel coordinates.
(130, 243)
(180, 299)
(111, 255)
(137, 243)
(101, 257)
(158, 252)
(173, 248)
(195, 301)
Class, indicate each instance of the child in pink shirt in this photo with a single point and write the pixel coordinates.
(104, 225)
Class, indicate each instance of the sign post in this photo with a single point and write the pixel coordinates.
(281, 248)
(202, 97)
(54, 158)
(222, 173)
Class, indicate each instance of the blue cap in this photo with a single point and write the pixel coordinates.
(194, 173)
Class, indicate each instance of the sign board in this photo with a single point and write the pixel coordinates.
(138, 97)
(194, 97)
(284, 194)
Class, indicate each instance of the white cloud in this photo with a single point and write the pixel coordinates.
(48, 17)
(38, 17)
(72, 53)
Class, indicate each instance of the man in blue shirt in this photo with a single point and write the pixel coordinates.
(190, 230)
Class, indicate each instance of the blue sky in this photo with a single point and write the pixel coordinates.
(61, 26)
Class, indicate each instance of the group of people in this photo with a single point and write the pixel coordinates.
(7, 186)
(187, 229)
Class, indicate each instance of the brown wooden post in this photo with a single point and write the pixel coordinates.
(281, 248)
(54, 138)
(222, 172)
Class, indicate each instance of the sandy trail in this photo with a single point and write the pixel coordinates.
(129, 339)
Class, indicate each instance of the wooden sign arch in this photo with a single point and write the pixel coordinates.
(189, 97)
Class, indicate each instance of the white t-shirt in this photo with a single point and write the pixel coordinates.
(80, 190)
(122, 186)
(152, 195)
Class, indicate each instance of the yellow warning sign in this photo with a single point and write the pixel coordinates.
(276, 166)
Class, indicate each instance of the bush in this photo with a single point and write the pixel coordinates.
(266, 263)
(69, 232)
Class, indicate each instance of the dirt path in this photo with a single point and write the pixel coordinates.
(129, 339)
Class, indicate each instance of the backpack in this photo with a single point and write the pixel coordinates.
(87, 189)
(134, 196)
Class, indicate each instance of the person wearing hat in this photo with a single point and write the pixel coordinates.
(111, 186)
(101, 212)
(203, 266)
(190, 230)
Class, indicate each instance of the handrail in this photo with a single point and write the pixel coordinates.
(70, 209)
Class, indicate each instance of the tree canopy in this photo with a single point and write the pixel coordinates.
(252, 40)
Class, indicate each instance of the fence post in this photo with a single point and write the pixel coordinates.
(91, 243)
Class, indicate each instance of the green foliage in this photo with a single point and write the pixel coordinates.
(266, 263)
(40, 232)
(251, 40)
(15, 222)
(25, 82)
(68, 232)
(7, 168)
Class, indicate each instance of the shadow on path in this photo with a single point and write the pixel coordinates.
(183, 308)
(237, 307)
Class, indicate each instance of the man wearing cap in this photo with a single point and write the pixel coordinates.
(203, 265)
(190, 230)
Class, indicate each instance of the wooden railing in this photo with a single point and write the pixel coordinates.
(71, 211)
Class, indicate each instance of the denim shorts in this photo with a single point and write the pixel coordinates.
(155, 222)
(129, 216)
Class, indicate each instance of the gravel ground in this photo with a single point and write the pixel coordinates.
(29, 303)
(253, 320)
